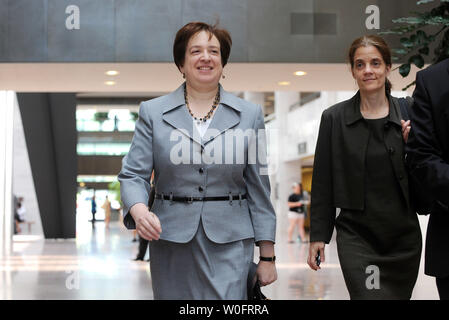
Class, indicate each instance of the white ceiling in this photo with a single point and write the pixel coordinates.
(143, 79)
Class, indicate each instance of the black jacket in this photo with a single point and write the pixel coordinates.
(339, 165)
(428, 159)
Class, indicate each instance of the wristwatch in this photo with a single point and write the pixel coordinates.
(268, 259)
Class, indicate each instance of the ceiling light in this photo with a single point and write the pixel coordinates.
(300, 73)
(109, 83)
(112, 73)
(284, 83)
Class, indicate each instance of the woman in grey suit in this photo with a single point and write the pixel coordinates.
(212, 201)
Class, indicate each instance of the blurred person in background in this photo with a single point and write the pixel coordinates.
(107, 211)
(93, 209)
(297, 203)
(21, 210)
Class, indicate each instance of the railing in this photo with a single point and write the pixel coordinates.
(102, 149)
(107, 125)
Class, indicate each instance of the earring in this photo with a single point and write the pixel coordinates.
(223, 76)
(183, 75)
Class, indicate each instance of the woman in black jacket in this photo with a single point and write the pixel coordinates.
(359, 167)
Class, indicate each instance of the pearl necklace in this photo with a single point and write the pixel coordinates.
(209, 114)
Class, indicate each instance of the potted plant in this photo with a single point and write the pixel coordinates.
(101, 117)
(420, 32)
(134, 116)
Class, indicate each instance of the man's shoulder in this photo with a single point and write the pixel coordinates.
(436, 71)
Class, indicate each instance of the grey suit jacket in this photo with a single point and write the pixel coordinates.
(185, 164)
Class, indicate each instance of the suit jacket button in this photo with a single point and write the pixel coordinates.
(200, 188)
(391, 150)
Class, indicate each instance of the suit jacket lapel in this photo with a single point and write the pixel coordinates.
(395, 145)
(175, 113)
(356, 139)
(358, 133)
(226, 116)
(223, 119)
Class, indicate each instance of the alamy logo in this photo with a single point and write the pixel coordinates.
(373, 20)
(373, 280)
(73, 20)
(73, 280)
(235, 146)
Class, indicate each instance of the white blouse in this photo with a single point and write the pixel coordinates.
(202, 126)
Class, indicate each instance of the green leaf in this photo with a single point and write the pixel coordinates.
(438, 20)
(425, 1)
(400, 51)
(406, 42)
(417, 60)
(134, 115)
(424, 50)
(409, 20)
(391, 32)
(404, 69)
(101, 116)
(422, 36)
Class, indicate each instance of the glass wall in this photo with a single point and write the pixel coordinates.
(114, 120)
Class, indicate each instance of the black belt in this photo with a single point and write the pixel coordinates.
(191, 199)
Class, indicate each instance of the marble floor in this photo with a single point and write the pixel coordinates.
(98, 265)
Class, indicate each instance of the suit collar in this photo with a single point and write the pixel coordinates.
(227, 115)
(352, 110)
(176, 99)
(395, 111)
(353, 114)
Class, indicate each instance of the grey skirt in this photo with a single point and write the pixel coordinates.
(200, 269)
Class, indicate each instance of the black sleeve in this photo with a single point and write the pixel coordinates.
(322, 211)
(424, 153)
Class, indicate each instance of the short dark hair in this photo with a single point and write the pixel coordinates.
(192, 28)
(381, 45)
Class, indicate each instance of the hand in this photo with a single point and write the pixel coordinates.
(148, 225)
(266, 273)
(405, 129)
(313, 250)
